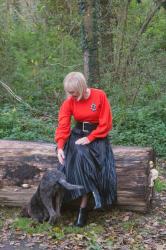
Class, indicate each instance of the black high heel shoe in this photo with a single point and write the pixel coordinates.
(81, 218)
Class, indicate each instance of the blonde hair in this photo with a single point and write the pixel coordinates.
(75, 81)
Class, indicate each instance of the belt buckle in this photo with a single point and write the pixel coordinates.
(83, 128)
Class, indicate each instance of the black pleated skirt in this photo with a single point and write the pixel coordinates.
(91, 166)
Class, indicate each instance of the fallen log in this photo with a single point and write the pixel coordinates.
(25, 162)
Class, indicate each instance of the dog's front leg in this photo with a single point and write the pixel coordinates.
(47, 201)
(46, 215)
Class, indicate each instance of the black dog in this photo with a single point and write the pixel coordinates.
(46, 202)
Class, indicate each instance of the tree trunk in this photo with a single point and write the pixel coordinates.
(121, 39)
(25, 162)
(106, 21)
(88, 10)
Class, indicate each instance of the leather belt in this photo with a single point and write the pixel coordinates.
(86, 126)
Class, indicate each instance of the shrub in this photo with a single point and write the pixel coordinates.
(144, 126)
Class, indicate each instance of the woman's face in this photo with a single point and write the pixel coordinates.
(73, 93)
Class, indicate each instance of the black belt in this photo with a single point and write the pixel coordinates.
(86, 126)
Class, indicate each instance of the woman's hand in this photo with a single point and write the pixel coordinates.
(61, 156)
(82, 141)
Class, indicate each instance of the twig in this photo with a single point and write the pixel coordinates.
(65, 66)
(18, 98)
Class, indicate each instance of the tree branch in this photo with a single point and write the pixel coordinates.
(139, 33)
(19, 99)
(145, 24)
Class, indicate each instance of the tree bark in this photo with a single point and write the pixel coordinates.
(25, 162)
(106, 33)
(121, 40)
(88, 11)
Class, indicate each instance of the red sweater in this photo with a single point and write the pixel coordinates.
(95, 109)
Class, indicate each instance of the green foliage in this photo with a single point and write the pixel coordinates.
(144, 126)
(159, 185)
(35, 56)
(129, 225)
(158, 31)
(62, 14)
(36, 52)
(31, 227)
(57, 232)
(18, 123)
(42, 60)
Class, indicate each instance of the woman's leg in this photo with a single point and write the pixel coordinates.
(84, 201)
(82, 213)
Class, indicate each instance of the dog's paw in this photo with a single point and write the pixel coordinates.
(53, 219)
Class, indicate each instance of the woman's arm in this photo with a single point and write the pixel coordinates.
(105, 120)
(63, 130)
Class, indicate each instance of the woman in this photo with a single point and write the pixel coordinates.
(84, 152)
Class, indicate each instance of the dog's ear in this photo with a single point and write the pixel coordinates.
(24, 211)
(69, 186)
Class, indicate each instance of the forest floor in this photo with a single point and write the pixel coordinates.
(114, 229)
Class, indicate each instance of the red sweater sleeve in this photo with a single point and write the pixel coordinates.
(64, 124)
(105, 120)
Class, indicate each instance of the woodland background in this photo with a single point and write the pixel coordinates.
(120, 45)
(43, 40)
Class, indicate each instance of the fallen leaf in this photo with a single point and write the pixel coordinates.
(30, 244)
(126, 218)
(159, 247)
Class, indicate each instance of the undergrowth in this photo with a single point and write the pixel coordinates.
(141, 126)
